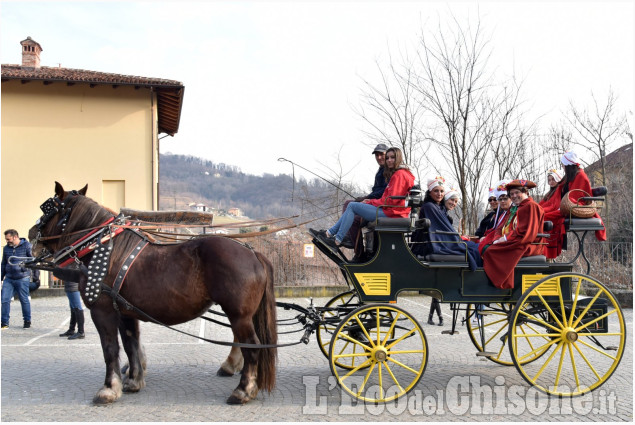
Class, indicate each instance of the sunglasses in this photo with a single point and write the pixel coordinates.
(491, 200)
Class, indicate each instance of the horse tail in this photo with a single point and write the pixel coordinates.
(266, 330)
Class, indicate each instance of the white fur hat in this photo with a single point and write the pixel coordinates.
(570, 158)
(435, 181)
(555, 174)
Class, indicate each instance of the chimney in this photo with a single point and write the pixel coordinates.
(30, 53)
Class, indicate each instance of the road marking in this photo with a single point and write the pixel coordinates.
(61, 326)
(201, 331)
(146, 344)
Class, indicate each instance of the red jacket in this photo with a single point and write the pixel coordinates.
(399, 185)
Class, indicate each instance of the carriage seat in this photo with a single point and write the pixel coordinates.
(399, 224)
(533, 259)
(445, 258)
(583, 224)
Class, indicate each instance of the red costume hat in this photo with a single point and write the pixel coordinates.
(520, 183)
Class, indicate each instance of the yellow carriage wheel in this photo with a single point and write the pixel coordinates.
(390, 349)
(585, 328)
(332, 319)
(492, 320)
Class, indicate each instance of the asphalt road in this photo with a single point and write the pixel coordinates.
(48, 378)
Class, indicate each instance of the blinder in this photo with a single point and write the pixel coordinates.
(52, 206)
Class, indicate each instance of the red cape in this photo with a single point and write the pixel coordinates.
(500, 260)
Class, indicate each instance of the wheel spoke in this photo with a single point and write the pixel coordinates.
(565, 321)
(575, 302)
(344, 356)
(352, 371)
(392, 375)
(363, 328)
(597, 375)
(541, 348)
(346, 345)
(407, 352)
(597, 319)
(536, 336)
(546, 304)
(381, 384)
(559, 371)
(404, 336)
(500, 352)
(370, 370)
(575, 324)
(402, 365)
(596, 349)
(354, 341)
(540, 321)
(495, 335)
(391, 329)
(544, 366)
(378, 327)
(575, 370)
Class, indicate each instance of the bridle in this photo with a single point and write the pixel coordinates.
(51, 207)
(84, 245)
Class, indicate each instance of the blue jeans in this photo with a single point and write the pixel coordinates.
(74, 300)
(9, 287)
(366, 211)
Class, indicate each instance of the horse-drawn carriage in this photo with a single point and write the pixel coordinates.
(563, 331)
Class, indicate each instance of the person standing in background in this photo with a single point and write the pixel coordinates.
(15, 277)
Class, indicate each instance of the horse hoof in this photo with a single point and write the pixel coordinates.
(130, 386)
(223, 372)
(105, 396)
(124, 370)
(238, 397)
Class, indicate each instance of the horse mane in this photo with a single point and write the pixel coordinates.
(85, 214)
(88, 214)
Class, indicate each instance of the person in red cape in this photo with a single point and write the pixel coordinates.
(550, 203)
(574, 178)
(500, 258)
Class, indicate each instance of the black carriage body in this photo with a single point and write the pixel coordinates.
(394, 269)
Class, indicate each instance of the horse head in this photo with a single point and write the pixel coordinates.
(64, 216)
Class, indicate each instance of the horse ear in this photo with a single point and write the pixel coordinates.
(83, 190)
(59, 190)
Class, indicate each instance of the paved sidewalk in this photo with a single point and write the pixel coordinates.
(48, 378)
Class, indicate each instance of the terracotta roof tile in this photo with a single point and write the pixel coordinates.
(81, 75)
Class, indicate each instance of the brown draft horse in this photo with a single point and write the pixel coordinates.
(172, 283)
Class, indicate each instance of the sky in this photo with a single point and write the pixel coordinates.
(265, 80)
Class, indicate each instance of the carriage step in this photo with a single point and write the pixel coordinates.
(611, 348)
(449, 332)
(485, 353)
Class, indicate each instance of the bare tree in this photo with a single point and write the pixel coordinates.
(393, 111)
(469, 111)
(599, 129)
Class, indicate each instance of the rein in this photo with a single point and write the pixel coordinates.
(305, 339)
